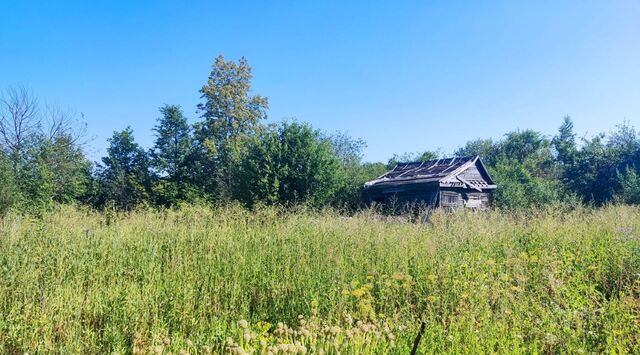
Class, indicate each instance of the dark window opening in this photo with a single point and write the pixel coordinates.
(450, 198)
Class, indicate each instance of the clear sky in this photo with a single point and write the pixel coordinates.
(404, 76)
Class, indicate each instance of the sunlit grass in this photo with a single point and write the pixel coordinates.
(199, 280)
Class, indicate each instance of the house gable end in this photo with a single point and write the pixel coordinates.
(473, 174)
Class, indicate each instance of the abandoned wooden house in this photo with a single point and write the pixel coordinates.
(449, 183)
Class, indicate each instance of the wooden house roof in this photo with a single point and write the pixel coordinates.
(446, 172)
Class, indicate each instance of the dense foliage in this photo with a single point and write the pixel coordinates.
(171, 158)
(230, 154)
(124, 176)
(286, 164)
(76, 281)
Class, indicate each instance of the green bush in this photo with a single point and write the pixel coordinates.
(287, 164)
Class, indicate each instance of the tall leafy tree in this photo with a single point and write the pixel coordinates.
(603, 168)
(69, 168)
(587, 176)
(124, 174)
(487, 149)
(229, 113)
(564, 142)
(288, 163)
(527, 145)
(171, 156)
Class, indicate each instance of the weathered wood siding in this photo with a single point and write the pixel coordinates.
(472, 173)
(463, 197)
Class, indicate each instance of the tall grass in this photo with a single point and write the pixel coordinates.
(76, 281)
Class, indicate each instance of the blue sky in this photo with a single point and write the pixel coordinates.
(403, 75)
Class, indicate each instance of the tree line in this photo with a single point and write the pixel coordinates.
(230, 155)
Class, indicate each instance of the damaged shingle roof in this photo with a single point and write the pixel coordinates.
(438, 168)
(428, 171)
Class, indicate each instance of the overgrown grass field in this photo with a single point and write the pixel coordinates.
(202, 280)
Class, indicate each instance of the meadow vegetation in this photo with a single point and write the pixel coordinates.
(216, 280)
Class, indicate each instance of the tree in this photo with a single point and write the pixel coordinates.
(354, 173)
(229, 113)
(586, 176)
(8, 189)
(521, 186)
(171, 155)
(485, 148)
(523, 167)
(603, 168)
(525, 171)
(349, 196)
(630, 182)
(526, 145)
(623, 146)
(287, 164)
(411, 157)
(346, 148)
(428, 155)
(19, 121)
(564, 142)
(35, 180)
(44, 148)
(124, 175)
